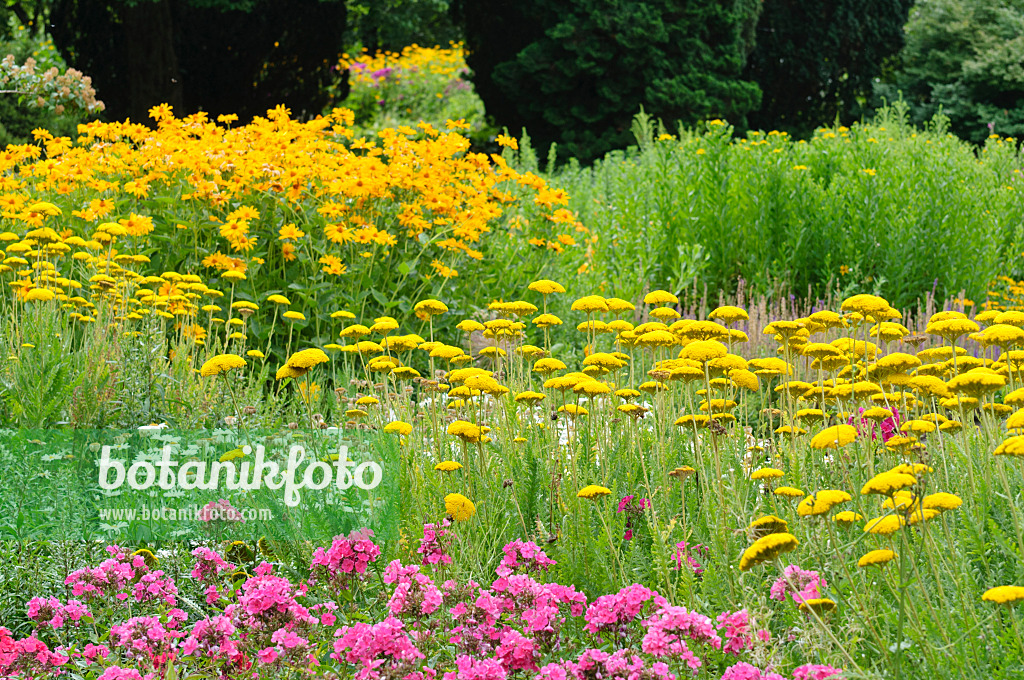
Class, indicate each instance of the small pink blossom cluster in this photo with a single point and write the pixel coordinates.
(208, 568)
(888, 427)
(815, 671)
(212, 637)
(345, 560)
(415, 593)
(268, 602)
(745, 671)
(155, 586)
(50, 612)
(147, 639)
(28, 657)
(435, 543)
(209, 565)
(687, 554)
(632, 509)
(468, 668)
(613, 613)
(595, 663)
(523, 557)
(118, 673)
(670, 627)
(736, 630)
(380, 649)
(802, 584)
(109, 578)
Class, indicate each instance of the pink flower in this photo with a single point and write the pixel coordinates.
(813, 671)
(744, 671)
(610, 613)
(345, 561)
(802, 584)
(523, 557)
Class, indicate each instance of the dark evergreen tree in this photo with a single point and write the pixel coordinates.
(816, 60)
(575, 72)
(218, 56)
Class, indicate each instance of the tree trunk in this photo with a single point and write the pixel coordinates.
(153, 73)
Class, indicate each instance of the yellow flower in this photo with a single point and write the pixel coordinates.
(888, 483)
(876, 557)
(39, 295)
(448, 466)
(255, 354)
(821, 502)
(466, 431)
(819, 605)
(294, 316)
(400, 427)
(769, 524)
(279, 300)
(766, 473)
(1004, 594)
(222, 363)
(546, 287)
(941, 501)
(459, 507)
(788, 492)
(430, 308)
(593, 491)
(307, 359)
(834, 437)
(590, 304)
(767, 548)
(660, 297)
(884, 525)
(847, 517)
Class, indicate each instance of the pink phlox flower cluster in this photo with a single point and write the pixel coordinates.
(374, 646)
(268, 601)
(688, 554)
(50, 612)
(670, 627)
(435, 543)
(738, 634)
(475, 617)
(327, 615)
(803, 584)
(212, 637)
(118, 673)
(415, 595)
(620, 665)
(814, 671)
(347, 558)
(745, 671)
(612, 613)
(28, 657)
(110, 577)
(209, 565)
(537, 604)
(147, 638)
(523, 557)
(153, 586)
(516, 652)
(468, 668)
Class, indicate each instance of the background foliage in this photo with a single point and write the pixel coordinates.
(964, 58)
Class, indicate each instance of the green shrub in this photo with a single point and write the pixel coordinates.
(879, 206)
